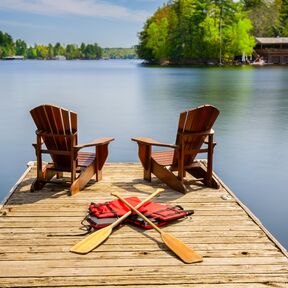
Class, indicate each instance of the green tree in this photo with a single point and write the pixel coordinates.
(157, 38)
(42, 52)
(6, 45)
(265, 18)
(91, 51)
(20, 47)
(82, 49)
(251, 4)
(283, 17)
(50, 51)
(31, 53)
(72, 52)
(58, 49)
(195, 31)
(242, 42)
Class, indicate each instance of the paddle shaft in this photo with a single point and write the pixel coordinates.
(137, 212)
(122, 218)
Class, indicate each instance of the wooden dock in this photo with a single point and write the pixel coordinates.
(38, 229)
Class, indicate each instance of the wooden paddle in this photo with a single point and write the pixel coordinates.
(96, 238)
(178, 247)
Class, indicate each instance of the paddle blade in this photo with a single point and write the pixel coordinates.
(180, 249)
(92, 241)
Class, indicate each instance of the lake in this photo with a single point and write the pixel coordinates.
(123, 99)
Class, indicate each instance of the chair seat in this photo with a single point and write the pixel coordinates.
(164, 158)
(85, 158)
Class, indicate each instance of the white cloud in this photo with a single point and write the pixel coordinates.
(92, 8)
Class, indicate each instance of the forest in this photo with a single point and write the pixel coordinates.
(9, 47)
(180, 32)
(210, 31)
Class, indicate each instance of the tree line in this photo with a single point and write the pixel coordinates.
(204, 31)
(9, 47)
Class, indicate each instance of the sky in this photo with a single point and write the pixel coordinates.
(110, 23)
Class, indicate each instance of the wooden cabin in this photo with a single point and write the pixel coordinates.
(273, 50)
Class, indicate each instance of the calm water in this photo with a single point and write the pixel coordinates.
(124, 99)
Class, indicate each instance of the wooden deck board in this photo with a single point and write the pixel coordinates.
(38, 229)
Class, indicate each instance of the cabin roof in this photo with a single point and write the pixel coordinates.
(272, 40)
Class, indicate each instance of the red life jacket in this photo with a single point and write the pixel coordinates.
(103, 214)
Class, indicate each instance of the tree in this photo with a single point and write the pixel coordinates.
(31, 53)
(283, 5)
(82, 49)
(157, 38)
(50, 51)
(242, 42)
(195, 31)
(58, 49)
(265, 18)
(72, 52)
(41, 51)
(91, 51)
(20, 47)
(251, 4)
(6, 45)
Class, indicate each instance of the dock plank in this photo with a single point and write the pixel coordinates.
(38, 229)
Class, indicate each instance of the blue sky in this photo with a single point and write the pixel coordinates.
(109, 23)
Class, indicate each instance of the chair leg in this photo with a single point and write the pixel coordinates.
(144, 154)
(36, 185)
(83, 179)
(147, 175)
(98, 175)
(200, 171)
(101, 157)
(45, 176)
(59, 175)
(210, 161)
(167, 177)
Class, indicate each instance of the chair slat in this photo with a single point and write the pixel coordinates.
(67, 126)
(66, 122)
(60, 128)
(73, 118)
(51, 120)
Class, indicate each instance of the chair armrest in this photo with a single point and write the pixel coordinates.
(97, 142)
(152, 142)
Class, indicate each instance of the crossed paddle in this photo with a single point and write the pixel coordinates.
(185, 253)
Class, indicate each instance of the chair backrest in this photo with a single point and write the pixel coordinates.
(199, 119)
(59, 124)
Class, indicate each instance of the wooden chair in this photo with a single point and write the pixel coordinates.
(57, 129)
(194, 130)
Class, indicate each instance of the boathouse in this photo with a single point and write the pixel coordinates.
(273, 50)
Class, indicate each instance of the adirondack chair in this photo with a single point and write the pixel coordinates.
(194, 130)
(57, 129)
